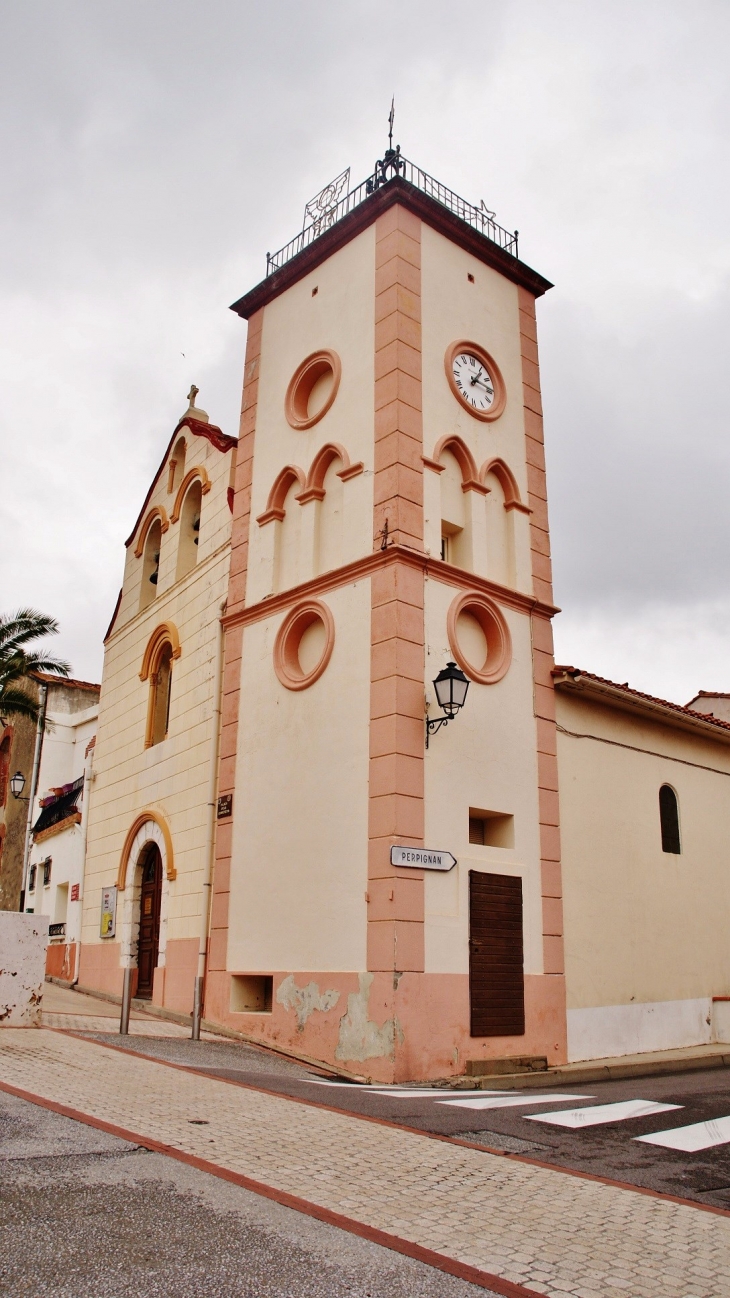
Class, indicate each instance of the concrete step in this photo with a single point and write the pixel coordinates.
(685, 1060)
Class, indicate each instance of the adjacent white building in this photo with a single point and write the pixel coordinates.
(55, 870)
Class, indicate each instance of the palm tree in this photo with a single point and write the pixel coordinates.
(18, 630)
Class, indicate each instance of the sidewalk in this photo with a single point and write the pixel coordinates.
(75, 1012)
(538, 1230)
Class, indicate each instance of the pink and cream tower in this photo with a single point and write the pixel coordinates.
(390, 518)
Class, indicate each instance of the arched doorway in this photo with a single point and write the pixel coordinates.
(150, 903)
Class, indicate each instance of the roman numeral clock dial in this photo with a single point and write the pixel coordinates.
(475, 380)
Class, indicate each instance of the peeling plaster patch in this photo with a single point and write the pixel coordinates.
(305, 1000)
(360, 1037)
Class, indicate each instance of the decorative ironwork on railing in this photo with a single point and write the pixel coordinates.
(330, 205)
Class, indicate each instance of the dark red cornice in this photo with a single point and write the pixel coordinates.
(198, 428)
(220, 440)
(434, 214)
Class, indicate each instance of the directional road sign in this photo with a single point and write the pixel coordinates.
(422, 858)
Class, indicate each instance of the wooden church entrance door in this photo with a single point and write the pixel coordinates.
(496, 976)
(149, 922)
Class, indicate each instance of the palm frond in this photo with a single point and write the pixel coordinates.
(16, 703)
(17, 629)
(41, 661)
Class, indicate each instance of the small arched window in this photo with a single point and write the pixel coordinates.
(160, 695)
(176, 469)
(187, 553)
(669, 819)
(151, 564)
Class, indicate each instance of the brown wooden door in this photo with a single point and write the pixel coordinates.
(496, 975)
(149, 922)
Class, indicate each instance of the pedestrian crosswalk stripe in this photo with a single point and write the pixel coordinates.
(497, 1101)
(699, 1135)
(598, 1113)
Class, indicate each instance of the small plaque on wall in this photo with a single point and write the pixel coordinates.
(74, 892)
(108, 925)
(225, 806)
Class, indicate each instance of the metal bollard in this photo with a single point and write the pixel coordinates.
(126, 999)
(197, 1009)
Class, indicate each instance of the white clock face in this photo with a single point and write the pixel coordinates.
(473, 381)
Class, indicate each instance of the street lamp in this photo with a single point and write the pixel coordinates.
(451, 686)
(17, 784)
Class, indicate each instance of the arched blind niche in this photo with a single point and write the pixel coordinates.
(455, 543)
(500, 533)
(669, 820)
(177, 466)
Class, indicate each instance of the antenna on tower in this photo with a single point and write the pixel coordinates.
(391, 119)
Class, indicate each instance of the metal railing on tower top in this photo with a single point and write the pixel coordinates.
(392, 165)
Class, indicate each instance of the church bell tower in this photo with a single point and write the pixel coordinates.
(390, 519)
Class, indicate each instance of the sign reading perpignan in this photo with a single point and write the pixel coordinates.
(422, 858)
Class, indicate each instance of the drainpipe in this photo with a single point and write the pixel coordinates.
(210, 832)
(34, 786)
(85, 798)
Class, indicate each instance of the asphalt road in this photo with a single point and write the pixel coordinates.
(86, 1215)
(608, 1150)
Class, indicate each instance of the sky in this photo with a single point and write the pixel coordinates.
(154, 150)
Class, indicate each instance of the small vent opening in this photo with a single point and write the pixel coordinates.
(251, 993)
(491, 828)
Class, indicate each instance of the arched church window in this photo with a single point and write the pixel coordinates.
(669, 820)
(151, 564)
(160, 696)
(187, 553)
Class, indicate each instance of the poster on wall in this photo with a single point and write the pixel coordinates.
(108, 912)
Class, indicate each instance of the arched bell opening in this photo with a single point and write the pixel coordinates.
(151, 564)
(187, 554)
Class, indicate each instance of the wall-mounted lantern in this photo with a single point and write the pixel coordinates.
(17, 784)
(451, 686)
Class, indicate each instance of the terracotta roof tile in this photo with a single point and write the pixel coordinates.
(625, 688)
(65, 680)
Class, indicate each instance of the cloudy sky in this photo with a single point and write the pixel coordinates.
(153, 150)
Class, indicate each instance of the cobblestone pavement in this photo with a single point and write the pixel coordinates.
(101, 1217)
(547, 1230)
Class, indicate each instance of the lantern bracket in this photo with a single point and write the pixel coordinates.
(433, 725)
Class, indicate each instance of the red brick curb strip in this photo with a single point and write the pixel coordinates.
(475, 1276)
